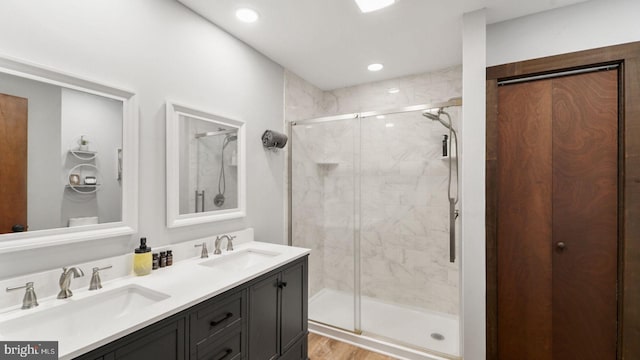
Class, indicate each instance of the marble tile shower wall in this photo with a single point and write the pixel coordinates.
(402, 201)
(307, 202)
(303, 101)
(404, 214)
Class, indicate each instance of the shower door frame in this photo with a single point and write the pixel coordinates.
(457, 101)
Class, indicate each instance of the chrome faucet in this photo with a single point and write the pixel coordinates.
(29, 301)
(65, 281)
(229, 243)
(96, 283)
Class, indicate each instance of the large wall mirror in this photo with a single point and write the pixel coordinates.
(205, 167)
(68, 163)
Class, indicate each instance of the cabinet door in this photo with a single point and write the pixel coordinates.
(294, 305)
(263, 319)
(164, 343)
(297, 351)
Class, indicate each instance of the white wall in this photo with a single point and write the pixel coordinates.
(587, 25)
(472, 185)
(162, 51)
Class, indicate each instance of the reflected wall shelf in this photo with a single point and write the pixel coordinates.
(83, 188)
(84, 155)
(83, 171)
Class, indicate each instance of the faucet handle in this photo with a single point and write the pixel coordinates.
(230, 243)
(205, 252)
(96, 282)
(30, 300)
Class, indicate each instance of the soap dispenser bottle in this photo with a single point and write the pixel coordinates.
(142, 259)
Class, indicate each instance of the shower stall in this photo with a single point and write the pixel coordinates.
(373, 194)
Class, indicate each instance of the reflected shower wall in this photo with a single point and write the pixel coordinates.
(201, 163)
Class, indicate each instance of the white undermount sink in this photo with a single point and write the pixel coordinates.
(239, 260)
(81, 315)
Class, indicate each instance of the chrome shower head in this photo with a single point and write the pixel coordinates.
(433, 116)
(436, 117)
(232, 137)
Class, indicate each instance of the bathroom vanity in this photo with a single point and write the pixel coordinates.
(249, 303)
(265, 318)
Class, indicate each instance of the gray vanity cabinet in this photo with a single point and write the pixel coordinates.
(263, 319)
(278, 314)
(164, 340)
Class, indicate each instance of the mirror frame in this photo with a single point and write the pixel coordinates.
(174, 218)
(129, 221)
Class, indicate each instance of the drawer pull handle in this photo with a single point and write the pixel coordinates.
(282, 284)
(223, 318)
(223, 354)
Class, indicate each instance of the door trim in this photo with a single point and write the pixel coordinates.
(627, 56)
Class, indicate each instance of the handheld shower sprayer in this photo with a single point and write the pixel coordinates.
(452, 139)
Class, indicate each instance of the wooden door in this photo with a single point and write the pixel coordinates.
(524, 222)
(13, 162)
(585, 216)
(557, 218)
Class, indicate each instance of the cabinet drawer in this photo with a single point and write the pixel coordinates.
(215, 317)
(228, 347)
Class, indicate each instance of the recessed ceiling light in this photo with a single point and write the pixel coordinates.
(247, 15)
(393, 90)
(373, 5)
(380, 117)
(375, 67)
(389, 125)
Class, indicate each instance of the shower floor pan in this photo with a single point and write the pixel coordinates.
(429, 330)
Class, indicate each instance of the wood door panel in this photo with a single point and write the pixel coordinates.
(13, 162)
(585, 216)
(524, 222)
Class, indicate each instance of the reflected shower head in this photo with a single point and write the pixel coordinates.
(232, 137)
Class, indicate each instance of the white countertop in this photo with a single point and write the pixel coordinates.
(186, 282)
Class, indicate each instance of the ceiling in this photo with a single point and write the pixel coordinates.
(330, 42)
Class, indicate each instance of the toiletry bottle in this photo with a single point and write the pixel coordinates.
(169, 257)
(142, 261)
(163, 259)
(155, 261)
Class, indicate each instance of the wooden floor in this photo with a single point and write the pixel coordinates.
(323, 348)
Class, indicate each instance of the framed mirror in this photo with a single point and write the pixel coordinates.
(69, 163)
(206, 167)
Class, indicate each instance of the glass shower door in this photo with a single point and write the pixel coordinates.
(324, 216)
